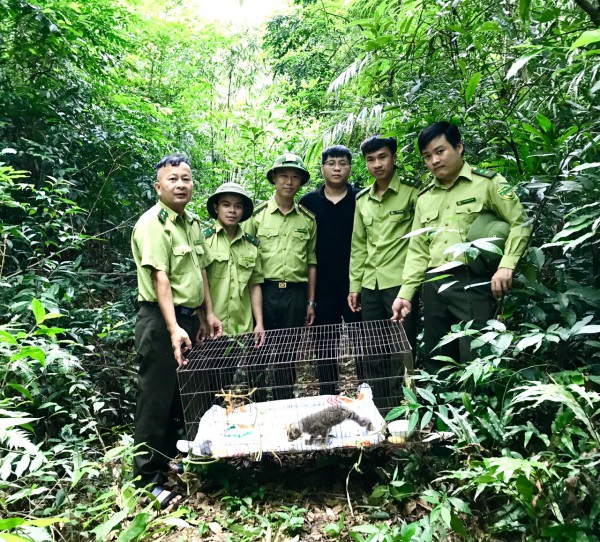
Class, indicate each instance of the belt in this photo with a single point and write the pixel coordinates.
(180, 310)
(459, 272)
(282, 285)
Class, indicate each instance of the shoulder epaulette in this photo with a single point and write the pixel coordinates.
(194, 217)
(363, 192)
(208, 232)
(259, 207)
(251, 239)
(483, 172)
(415, 183)
(162, 216)
(308, 213)
(426, 188)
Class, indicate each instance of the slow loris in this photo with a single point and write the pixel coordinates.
(319, 423)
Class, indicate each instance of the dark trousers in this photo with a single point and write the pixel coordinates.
(385, 376)
(159, 414)
(452, 305)
(283, 308)
(332, 308)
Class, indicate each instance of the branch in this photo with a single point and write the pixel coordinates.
(592, 8)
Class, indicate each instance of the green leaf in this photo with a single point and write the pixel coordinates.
(524, 9)
(472, 87)
(38, 310)
(519, 63)
(5, 537)
(31, 352)
(136, 528)
(589, 36)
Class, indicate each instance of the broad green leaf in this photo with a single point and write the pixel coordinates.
(524, 8)
(38, 310)
(5, 537)
(589, 36)
(136, 528)
(519, 63)
(472, 87)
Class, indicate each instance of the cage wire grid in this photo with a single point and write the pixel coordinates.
(295, 362)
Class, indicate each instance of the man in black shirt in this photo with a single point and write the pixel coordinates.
(333, 204)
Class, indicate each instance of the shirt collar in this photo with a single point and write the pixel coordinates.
(173, 216)
(466, 173)
(394, 186)
(218, 227)
(273, 207)
(348, 192)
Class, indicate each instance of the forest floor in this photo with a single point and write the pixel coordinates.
(290, 499)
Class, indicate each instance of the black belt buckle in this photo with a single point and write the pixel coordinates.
(185, 311)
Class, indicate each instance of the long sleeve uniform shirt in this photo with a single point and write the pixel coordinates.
(447, 215)
(378, 249)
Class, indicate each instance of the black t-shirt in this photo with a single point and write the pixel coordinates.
(334, 235)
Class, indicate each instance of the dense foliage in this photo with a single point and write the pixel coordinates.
(93, 93)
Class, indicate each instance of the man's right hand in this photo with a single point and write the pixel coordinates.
(181, 343)
(354, 301)
(401, 309)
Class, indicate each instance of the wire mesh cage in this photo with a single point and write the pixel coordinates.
(303, 388)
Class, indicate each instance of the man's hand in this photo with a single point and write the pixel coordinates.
(310, 315)
(259, 335)
(401, 309)
(354, 301)
(181, 343)
(213, 325)
(502, 282)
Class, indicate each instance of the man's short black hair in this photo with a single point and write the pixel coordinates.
(172, 160)
(438, 129)
(336, 151)
(376, 142)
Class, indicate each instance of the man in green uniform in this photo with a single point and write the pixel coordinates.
(235, 275)
(171, 256)
(446, 210)
(383, 215)
(287, 235)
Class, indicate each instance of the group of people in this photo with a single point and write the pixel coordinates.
(338, 254)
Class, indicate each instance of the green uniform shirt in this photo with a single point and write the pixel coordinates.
(450, 212)
(165, 241)
(234, 267)
(287, 242)
(378, 250)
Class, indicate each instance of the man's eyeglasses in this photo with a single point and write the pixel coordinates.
(340, 164)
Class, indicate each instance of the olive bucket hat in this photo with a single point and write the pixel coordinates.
(289, 160)
(495, 231)
(230, 188)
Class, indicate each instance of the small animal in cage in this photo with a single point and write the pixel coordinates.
(240, 399)
(318, 424)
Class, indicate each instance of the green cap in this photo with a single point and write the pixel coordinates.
(289, 160)
(230, 188)
(495, 231)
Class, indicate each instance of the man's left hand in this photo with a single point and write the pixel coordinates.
(502, 282)
(310, 315)
(259, 336)
(214, 326)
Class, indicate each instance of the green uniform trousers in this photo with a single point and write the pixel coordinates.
(386, 376)
(283, 308)
(452, 305)
(159, 414)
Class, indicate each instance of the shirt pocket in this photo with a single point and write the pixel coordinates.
(181, 261)
(368, 222)
(429, 218)
(466, 215)
(246, 266)
(268, 238)
(219, 268)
